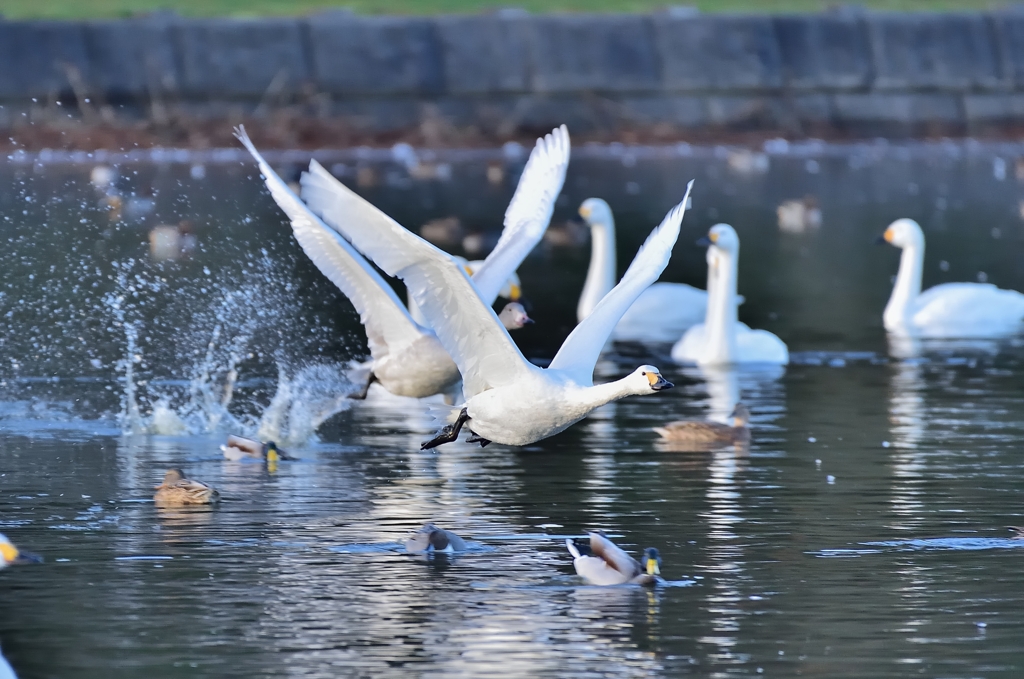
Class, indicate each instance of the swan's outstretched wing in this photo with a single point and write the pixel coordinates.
(468, 329)
(385, 318)
(528, 214)
(578, 354)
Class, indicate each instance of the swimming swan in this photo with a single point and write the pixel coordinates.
(607, 564)
(662, 312)
(406, 358)
(950, 310)
(508, 399)
(721, 339)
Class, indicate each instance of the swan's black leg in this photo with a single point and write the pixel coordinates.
(361, 395)
(476, 438)
(448, 432)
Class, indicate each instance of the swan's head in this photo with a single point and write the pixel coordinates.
(595, 212)
(721, 237)
(647, 378)
(514, 316)
(9, 554)
(903, 233)
(513, 288)
(740, 415)
(652, 561)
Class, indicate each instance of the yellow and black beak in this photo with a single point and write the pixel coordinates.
(652, 567)
(885, 237)
(658, 383)
(8, 552)
(514, 292)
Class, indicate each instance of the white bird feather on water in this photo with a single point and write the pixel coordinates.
(407, 358)
(510, 400)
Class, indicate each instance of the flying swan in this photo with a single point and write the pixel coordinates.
(406, 358)
(508, 399)
(721, 339)
(950, 310)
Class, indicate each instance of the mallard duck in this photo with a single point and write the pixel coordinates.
(11, 555)
(704, 432)
(606, 564)
(430, 538)
(241, 448)
(177, 489)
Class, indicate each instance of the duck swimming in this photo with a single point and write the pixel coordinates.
(704, 433)
(430, 538)
(508, 399)
(240, 448)
(721, 339)
(177, 489)
(601, 562)
(406, 358)
(949, 310)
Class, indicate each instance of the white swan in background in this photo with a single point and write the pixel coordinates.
(721, 339)
(508, 399)
(406, 358)
(662, 313)
(950, 310)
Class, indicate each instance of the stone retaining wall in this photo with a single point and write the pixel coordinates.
(853, 73)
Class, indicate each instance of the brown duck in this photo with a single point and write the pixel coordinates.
(704, 433)
(177, 489)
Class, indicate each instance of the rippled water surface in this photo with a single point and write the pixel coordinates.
(862, 534)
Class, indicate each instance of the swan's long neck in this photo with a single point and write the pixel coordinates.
(600, 394)
(720, 321)
(906, 289)
(601, 272)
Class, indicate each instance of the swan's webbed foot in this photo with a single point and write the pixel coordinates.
(361, 394)
(476, 438)
(448, 432)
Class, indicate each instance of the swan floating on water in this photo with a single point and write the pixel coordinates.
(662, 312)
(721, 339)
(406, 358)
(508, 399)
(950, 310)
(607, 564)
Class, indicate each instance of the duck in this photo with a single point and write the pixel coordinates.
(702, 432)
(507, 399)
(178, 489)
(602, 562)
(950, 310)
(241, 448)
(11, 555)
(721, 339)
(406, 358)
(662, 313)
(430, 538)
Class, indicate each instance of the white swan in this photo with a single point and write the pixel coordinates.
(511, 291)
(406, 358)
(950, 310)
(508, 399)
(662, 313)
(721, 339)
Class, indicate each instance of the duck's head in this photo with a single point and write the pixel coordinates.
(10, 555)
(740, 415)
(595, 212)
(514, 316)
(171, 477)
(273, 454)
(513, 289)
(721, 237)
(647, 378)
(902, 233)
(652, 561)
(437, 541)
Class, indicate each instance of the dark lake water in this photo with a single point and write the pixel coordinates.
(863, 533)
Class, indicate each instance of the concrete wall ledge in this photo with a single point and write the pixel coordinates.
(859, 73)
